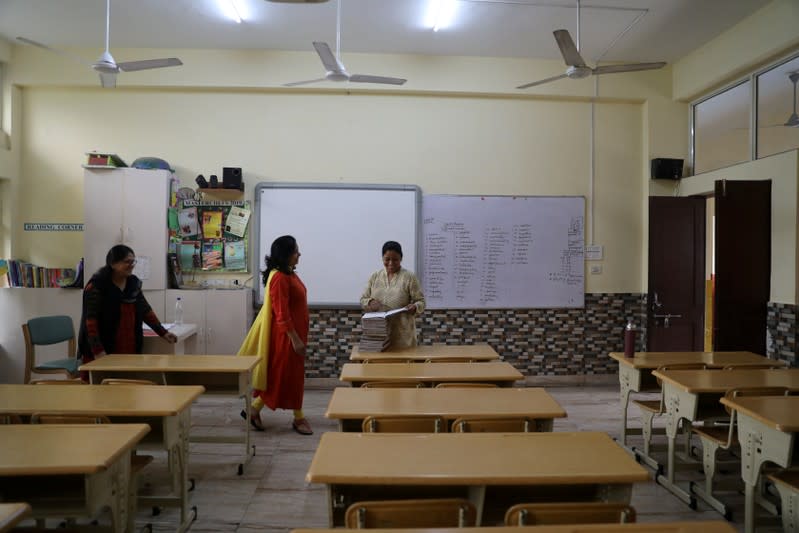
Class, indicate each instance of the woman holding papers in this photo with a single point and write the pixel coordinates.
(114, 309)
(279, 336)
(393, 287)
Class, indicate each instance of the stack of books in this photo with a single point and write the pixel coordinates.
(375, 337)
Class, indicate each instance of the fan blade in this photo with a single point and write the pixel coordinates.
(632, 67)
(306, 82)
(78, 59)
(569, 52)
(366, 78)
(108, 80)
(541, 82)
(328, 59)
(793, 121)
(145, 64)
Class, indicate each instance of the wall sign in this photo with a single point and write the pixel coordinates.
(51, 226)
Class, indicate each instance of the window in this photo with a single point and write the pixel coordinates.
(777, 121)
(721, 128)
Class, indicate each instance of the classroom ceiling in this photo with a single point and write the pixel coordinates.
(657, 30)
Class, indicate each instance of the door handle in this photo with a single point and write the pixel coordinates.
(656, 304)
(666, 318)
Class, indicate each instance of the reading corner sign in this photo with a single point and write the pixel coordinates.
(51, 226)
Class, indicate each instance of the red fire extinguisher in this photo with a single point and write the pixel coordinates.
(629, 339)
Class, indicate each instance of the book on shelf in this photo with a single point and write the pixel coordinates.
(103, 160)
(24, 274)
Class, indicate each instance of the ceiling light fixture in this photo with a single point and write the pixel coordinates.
(440, 14)
(231, 10)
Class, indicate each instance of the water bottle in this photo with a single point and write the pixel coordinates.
(178, 312)
(629, 339)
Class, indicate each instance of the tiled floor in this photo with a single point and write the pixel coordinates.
(272, 495)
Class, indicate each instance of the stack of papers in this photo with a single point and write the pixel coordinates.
(375, 337)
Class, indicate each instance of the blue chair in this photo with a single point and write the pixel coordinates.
(47, 330)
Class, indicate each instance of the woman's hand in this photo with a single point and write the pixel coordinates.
(411, 308)
(299, 347)
(170, 337)
(373, 305)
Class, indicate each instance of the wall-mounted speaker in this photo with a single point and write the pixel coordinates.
(231, 178)
(666, 169)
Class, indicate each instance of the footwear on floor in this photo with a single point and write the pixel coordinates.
(255, 419)
(302, 426)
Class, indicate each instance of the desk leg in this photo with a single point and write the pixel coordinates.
(624, 389)
(179, 456)
(477, 495)
(674, 416)
(245, 390)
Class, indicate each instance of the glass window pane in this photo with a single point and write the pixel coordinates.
(721, 129)
(777, 121)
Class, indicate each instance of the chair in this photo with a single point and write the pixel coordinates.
(787, 483)
(403, 424)
(48, 330)
(121, 381)
(753, 367)
(724, 437)
(652, 408)
(10, 419)
(493, 425)
(534, 514)
(393, 385)
(449, 360)
(46, 418)
(386, 360)
(57, 382)
(466, 385)
(433, 513)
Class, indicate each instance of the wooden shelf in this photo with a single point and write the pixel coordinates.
(222, 194)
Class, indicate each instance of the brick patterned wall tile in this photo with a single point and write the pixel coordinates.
(782, 329)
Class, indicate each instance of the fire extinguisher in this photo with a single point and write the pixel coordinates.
(629, 339)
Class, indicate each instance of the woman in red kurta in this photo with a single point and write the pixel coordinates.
(279, 336)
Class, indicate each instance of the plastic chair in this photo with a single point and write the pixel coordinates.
(493, 425)
(48, 330)
(46, 418)
(534, 514)
(10, 419)
(57, 382)
(466, 385)
(393, 385)
(121, 381)
(433, 513)
(724, 437)
(403, 424)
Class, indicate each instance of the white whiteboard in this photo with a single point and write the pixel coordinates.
(340, 230)
(503, 252)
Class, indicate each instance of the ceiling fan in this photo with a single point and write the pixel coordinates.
(577, 68)
(335, 70)
(105, 65)
(793, 120)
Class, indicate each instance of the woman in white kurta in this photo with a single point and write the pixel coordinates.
(393, 287)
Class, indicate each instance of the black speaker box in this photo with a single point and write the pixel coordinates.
(666, 169)
(231, 177)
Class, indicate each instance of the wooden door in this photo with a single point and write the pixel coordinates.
(743, 264)
(675, 310)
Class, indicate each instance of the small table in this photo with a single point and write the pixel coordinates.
(681, 398)
(500, 373)
(476, 352)
(12, 514)
(708, 526)
(185, 370)
(186, 343)
(91, 461)
(379, 466)
(766, 429)
(172, 405)
(351, 405)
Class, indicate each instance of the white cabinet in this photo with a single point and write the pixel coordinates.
(222, 316)
(127, 206)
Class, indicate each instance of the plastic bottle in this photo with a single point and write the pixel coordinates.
(178, 312)
(629, 339)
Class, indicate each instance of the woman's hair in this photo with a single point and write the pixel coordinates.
(278, 258)
(392, 246)
(116, 254)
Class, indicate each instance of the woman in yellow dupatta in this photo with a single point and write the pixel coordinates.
(279, 336)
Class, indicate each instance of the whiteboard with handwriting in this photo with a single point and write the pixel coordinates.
(503, 252)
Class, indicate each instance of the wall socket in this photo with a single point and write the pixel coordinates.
(596, 269)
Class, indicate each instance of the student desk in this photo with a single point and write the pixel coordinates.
(635, 373)
(477, 352)
(379, 466)
(91, 463)
(12, 514)
(683, 390)
(185, 370)
(708, 526)
(351, 405)
(172, 405)
(501, 373)
(766, 429)
(186, 343)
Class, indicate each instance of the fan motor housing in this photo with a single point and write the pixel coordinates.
(578, 73)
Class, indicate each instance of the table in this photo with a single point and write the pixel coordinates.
(683, 390)
(172, 405)
(483, 467)
(186, 343)
(351, 405)
(11, 514)
(185, 370)
(635, 373)
(766, 429)
(501, 373)
(708, 526)
(477, 352)
(91, 463)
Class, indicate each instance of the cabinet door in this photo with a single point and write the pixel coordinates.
(193, 312)
(102, 217)
(146, 197)
(226, 321)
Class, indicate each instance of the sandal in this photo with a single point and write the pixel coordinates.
(255, 419)
(302, 426)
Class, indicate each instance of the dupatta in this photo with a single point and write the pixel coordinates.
(257, 340)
